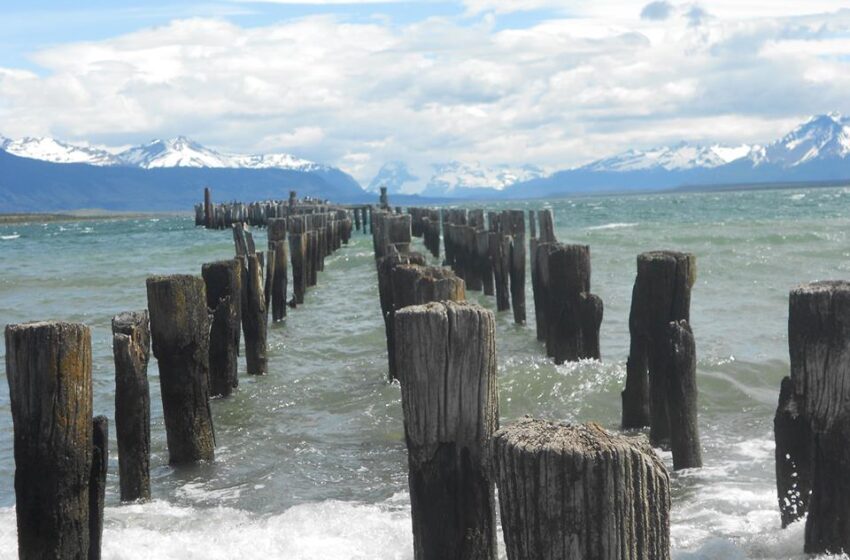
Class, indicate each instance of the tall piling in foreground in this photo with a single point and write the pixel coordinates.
(255, 320)
(221, 280)
(131, 344)
(48, 367)
(819, 345)
(447, 361)
(573, 314)
(580, 492)
(661, 294)
(97, 483)
(180, 336)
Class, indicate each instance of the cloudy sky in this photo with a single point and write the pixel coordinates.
(546, 82)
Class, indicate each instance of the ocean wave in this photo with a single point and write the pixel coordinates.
(9, 237)
(614, 225)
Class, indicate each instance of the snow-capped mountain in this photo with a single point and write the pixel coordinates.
(820, 138)
(455, 175)
(49, 149)
(678, 157)
(176, 152)
(393, 175)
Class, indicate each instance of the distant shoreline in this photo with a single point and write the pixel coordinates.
(77, 216)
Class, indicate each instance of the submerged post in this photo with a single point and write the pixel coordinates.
(180, 336)
(447, 363)
(48, 366)
(580, 492)
(131, 345)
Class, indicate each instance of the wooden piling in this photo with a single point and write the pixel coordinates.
(180, 337)
(446, 358)
(819, 344)
(131, 343)
(485, 266)
(793, 455)
(661, 294)
(97, 483)
(682, 396)
(580, 492)
(279, 284)
(48, 367)
(298, 256)
(547, 226)
(208, 208)
(255, 320)
(223, 292)
(573, 314)
(500, 257)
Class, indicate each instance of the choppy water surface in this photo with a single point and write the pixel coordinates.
(311, 461)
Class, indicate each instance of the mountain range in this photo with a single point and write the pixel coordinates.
(48, 174)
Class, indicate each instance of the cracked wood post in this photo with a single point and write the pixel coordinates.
(415, 284)
(221, 280)
(469, 257)
(539, 283)
(682, 396)
(385, 267)
(547, 226)
(131, 347)
(270, 262)
(255, 319)
(580, 492)
(97, 483)
(48, 367)
(573, 314)
(661, 294)
(819, 345)
(447, 362)
(180, 336)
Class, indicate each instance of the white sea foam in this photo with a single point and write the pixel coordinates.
(330, 530)
(615, 225)
(12, 236)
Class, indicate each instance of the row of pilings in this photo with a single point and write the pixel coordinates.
(564, 490)
(193, 325)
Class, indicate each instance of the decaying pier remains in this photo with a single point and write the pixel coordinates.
(660, 389)
(812, 423)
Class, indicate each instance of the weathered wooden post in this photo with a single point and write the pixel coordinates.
(97, 483)
(180, 336)
(255, 320)
(532, 225)
(385, 203)
(662, 294)
(580, 492)
(223, 291)
(269, 265)
(793, 455)
(48, 366)
(208, 208)
(385, 266)
(547, 226)
(573, 314)
(819, 344)
(500, 257)
(516, 221)
(447, 362)
(131, 345)
(279, 284)
(485, 266)
(298, 256)
(682, 396)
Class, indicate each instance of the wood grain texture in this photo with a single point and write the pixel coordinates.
(446, 358)
(49, 367)
(580, 492)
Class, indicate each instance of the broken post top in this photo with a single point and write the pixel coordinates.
(587, 441)
(221, 279)
(178, 311)
(128, 321)
(819, 345)
(670, 259)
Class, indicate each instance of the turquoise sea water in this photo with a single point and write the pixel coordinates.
(311, 461)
